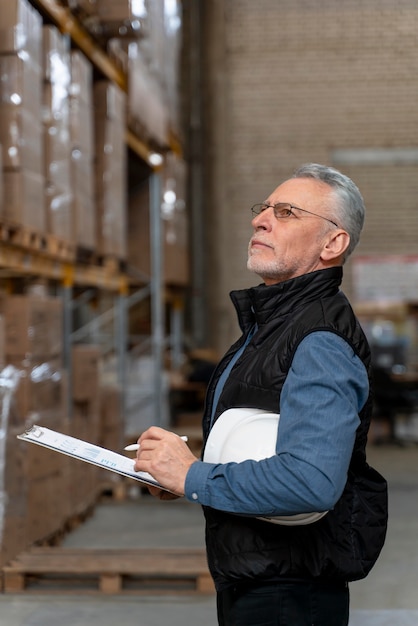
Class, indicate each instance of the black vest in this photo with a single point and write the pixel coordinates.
(345, 543)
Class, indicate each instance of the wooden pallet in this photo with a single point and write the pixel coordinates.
(36, 242)
(56, 247)
(86, 256)
(114, 490)
(151, 571)
(109, 262)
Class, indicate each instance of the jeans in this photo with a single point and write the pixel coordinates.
(297, 603)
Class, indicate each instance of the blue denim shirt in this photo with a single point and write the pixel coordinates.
(324, 391)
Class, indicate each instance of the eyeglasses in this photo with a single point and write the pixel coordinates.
(284, 209)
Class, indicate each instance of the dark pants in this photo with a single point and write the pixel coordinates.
(284, 604)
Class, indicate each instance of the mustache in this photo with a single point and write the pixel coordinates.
(259, 240)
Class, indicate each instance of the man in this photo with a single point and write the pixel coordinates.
(302, 354)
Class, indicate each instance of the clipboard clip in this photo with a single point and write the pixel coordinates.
(34, 431)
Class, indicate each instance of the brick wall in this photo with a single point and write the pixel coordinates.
(291, 81)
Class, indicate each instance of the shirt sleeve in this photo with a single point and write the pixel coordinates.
(326, 387)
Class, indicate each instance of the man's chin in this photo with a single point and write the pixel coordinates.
(251, 269)
(255, 268)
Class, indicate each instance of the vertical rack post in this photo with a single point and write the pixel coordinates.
(121, 342)
(67, 298)
(176, 333)
(157, 315)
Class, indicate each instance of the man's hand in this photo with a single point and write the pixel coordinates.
(162, 494)
(166, 457)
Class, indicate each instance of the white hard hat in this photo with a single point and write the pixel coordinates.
(240, 434)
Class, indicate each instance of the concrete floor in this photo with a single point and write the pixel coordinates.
(388, 597)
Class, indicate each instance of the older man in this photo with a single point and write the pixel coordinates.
(303, 355)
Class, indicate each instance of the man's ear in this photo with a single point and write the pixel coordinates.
(336, 245)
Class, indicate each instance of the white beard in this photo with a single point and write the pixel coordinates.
(271, 270)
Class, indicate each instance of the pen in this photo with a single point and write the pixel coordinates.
(135, 446)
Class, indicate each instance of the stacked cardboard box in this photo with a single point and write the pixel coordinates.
(171, 66)
(13, 494)
(56, 120)
(1, 182)
(85, 423)
(43, 489)
(175, 233)
(33, 348)
(117, 18)
(33, 328)
(160, 50)
(118, 11)
(144, 37)
(111, 422)
(147, 109)
(81, 7)
(85, 391)
(174, 248)
(111, 175)
(35, 502)
(82, 151)
(21, 113)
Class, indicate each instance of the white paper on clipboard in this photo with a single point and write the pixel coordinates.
(88, 452)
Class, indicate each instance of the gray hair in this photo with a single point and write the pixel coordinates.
(349, 209)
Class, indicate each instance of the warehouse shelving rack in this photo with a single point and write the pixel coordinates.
(65, 271)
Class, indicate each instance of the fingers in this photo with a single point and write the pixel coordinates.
(166, 457)
(153, 433)
(162, 494)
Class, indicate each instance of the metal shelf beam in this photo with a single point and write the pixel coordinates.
(15, 261)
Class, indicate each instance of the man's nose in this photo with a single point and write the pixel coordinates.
(264, 219)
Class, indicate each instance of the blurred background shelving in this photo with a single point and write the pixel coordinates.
(93, 241)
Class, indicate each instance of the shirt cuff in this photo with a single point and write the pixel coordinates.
(196, 480)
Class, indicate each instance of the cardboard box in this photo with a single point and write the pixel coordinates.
(87, 7)
(56, 57)
(146, 102)
(15, 471)
(83, 207)
(58, 191)
(82, 126)
(45, 513)
(110, 186)
(40, 392)
(25, 193)
(21, 81)
(2, 342)
(85, 420)
(59, 220)
(85, 372)
(56, 120)
(175, 252)
(83, 478)
(20, 29)
(111, 235)
(33, 326)
(21, 139)
(14, 497)
(120, 10)
(81, 77)
(110, 100)
(111, 418)
(14, 538)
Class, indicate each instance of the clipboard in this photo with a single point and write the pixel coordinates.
(87, 452)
